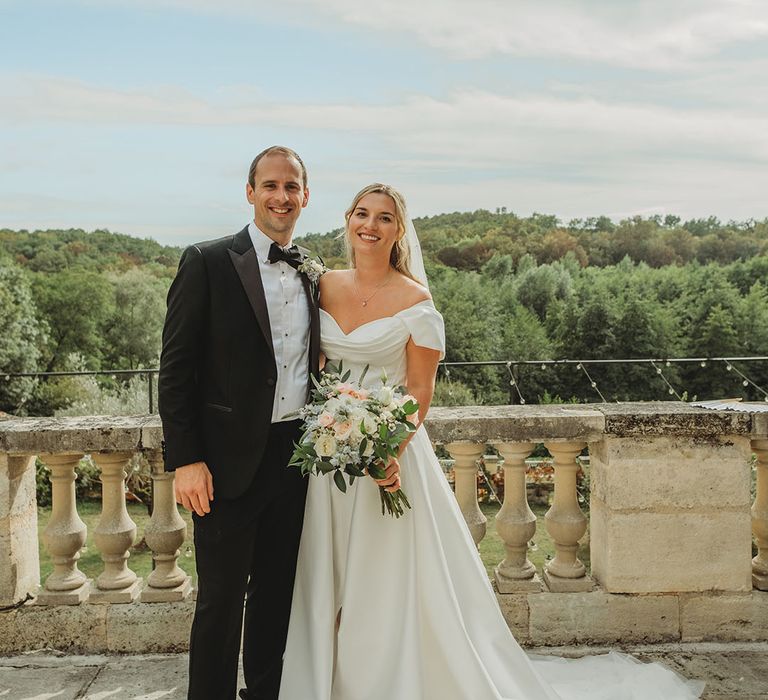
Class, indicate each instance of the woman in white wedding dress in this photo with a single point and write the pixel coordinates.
(402, 609)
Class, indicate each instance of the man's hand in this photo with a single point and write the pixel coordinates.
(193, 487)
(391, 481)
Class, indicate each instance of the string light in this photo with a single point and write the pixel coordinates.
(513, 382)
(746, 381)
(670, 389)
(592, 382)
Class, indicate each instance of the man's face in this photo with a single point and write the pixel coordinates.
(278, 195)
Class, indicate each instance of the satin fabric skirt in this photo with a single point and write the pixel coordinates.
(418, 617)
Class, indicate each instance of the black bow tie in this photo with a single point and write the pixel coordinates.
(290, 255)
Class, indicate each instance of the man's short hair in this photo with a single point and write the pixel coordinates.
(282, 150)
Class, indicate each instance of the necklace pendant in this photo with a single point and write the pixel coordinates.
(365, 303)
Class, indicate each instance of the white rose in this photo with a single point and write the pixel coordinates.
(368, 451)
(370, 423)
(385, 395)
(355, 436)
(325, 445)
(332, 405)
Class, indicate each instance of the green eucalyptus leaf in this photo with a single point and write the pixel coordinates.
(338, 479)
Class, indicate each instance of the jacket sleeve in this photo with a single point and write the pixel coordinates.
(180, 359)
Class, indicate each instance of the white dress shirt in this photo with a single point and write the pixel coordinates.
(289, 322)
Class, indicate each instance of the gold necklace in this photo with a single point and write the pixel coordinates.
(375, 291)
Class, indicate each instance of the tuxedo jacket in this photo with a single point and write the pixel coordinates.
(217, 367)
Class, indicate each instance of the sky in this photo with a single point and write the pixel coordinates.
(142, 116)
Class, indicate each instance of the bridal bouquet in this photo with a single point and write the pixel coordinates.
(350, 430)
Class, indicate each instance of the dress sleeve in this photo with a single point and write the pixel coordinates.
(426, 326)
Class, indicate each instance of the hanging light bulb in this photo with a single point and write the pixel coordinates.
(658, 370)
(671, 391)
(703, 363)
(745, 383)
(668, 363)
(728, 367)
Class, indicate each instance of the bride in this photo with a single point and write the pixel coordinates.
(402, 609)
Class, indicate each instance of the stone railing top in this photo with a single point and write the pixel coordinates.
(586, 423)
(80, 434)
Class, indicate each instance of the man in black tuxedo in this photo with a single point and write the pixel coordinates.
(240, 341)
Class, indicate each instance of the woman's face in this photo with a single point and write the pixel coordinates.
(372, 227)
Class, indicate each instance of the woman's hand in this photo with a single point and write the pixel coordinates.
(391, 480)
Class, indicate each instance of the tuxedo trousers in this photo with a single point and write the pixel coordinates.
(246, 550)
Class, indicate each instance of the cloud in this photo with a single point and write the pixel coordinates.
(466, 129)
(655, 34)
(647, 34)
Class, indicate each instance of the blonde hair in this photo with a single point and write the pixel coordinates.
(399, 257)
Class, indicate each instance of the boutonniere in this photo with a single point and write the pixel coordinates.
(313, 269)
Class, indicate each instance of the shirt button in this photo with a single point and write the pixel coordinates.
(286, 335)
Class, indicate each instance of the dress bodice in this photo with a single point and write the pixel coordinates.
(381, 343)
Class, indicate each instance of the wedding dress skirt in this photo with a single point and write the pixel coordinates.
(418, 617)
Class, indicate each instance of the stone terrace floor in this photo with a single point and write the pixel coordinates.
(736, 671)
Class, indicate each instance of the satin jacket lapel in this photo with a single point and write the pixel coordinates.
(311, 290)
(247, 267)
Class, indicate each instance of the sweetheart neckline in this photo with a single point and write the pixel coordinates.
(381, 318)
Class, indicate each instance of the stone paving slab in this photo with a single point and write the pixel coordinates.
(732, 672)
(23, 682)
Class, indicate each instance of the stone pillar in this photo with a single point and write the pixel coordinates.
(566, 523)
(19, 556)
(465, 456)
(115, 533)
(669, 512)
(164, 535)
(515, 523)
(64, 536)
(760, 517)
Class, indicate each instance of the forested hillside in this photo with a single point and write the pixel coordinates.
(510, 288)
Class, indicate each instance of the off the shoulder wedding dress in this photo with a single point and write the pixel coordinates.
(419, 618)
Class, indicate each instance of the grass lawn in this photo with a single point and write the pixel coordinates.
(491, 548)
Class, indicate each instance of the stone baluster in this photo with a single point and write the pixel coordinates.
(164, 535)
(760, 517)
(64, 536)
(515, 523)
(566, 523)
(465, 456)
(115, 533)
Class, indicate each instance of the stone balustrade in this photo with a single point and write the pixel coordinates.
(671, 526)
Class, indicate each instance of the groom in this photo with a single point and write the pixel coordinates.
(240, 341)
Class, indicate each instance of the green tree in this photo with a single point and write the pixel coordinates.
(21, 337)
(132, 333)
(75, 305)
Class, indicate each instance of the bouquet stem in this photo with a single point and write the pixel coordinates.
(393, 502)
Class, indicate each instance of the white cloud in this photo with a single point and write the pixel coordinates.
(637, 33)
(468, 129)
